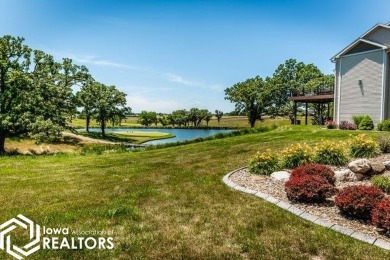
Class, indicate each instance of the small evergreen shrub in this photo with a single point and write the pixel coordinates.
(296, 155)
(263, 163)
(330, 124)
(358, 201)
(384, 125)
(357, 119)
(331, 153)
(345, 125)
(309, 188)
(314, 169)
(384, 143)
(380, 215)
(363, 146)
(366, 123)
(382, 182)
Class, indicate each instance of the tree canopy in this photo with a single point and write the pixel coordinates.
(250, 97)
(36, 96)
(36, 93)
(256, 96)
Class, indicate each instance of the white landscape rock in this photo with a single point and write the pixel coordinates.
(377, 168)
(360, 166)
(281, 176)
(387, 165)
(347, 175)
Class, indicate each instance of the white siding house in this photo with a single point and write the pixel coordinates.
(362, 77)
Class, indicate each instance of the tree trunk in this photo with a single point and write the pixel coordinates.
(103, 127)
(2, 143)
(87, 121)
(252, 120)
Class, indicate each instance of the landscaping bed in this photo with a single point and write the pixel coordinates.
(328, 210)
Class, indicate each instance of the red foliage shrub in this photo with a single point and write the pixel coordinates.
(358, 201)
(380, 215)
(315, 169)
(308, 188)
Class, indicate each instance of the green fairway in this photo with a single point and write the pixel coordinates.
(141, 137)
(171, 203)
(136, 137)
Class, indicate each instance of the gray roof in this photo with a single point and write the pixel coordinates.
(365, 39)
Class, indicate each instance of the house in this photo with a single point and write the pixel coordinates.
(362, 78)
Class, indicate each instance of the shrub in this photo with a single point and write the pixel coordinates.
(314, 169)
(263, 163)
(382, 182)
(332, 153)
(102, 148)
(345, 125)
(357, 119)
(384, 143)
(330, 124)
(308, 188)
(366, 123)
(363, 146)
(384, 125)
(380, 215)
(296, 155)
(358, 201)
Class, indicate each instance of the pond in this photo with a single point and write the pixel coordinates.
(180, 134)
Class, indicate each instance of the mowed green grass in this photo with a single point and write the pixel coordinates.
(171, 203)
(141, 137)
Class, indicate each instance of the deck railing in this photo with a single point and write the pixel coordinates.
(317, 92)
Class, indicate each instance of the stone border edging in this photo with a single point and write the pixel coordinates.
(305, 215)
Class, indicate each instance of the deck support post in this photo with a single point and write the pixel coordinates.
(295, 113)
(306, 113)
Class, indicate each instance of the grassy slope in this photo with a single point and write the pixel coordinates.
(170, 203)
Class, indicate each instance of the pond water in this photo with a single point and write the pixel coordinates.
(180, 134)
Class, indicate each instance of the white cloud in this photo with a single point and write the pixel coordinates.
(96, 61)
(179, 79)
(139, 103)
(91, 60)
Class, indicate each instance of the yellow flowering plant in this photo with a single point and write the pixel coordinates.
(263, 163)
(296, 155)
(363, 146)
(331, 153)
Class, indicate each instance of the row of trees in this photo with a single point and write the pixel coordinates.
(36, 93)
(180, 117)
(256, 96)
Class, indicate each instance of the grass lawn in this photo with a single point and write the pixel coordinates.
(242, 121)
(80, 123)
(171, 203)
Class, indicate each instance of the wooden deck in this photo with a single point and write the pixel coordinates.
(313, 99)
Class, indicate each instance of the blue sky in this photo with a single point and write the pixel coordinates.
(168, 55)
